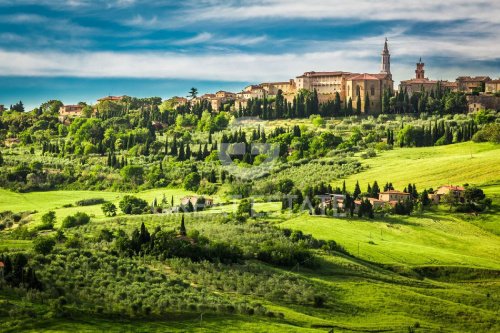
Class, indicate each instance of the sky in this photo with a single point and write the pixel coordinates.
(80, 50)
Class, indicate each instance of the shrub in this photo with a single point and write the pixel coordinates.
(90, 202)
(75, 220)
(133, 205)
(44, 245)
(109, 209)
(48, 220)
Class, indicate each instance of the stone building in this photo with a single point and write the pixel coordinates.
(328, 84)
(492, 87)
(469, 84)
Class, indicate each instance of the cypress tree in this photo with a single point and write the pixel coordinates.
(358, 105)
(357, 190)
(182, 230)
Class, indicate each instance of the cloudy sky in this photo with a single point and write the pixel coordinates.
(79, 50)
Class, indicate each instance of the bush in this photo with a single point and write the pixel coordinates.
(44, 245)
(90, 202)
(75, 220)
(133, 205)
(109, 209)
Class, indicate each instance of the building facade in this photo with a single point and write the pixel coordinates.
(492, 87)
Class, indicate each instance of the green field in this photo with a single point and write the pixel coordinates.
(427, 167)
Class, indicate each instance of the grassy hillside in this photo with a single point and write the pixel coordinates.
(435, 272)
(430, 239)
(473, 163)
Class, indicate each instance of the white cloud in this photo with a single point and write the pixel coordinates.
(200, 38)
(359, 10)
(219, 67)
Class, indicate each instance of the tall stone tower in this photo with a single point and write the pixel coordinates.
(386, 60)
(420, 70)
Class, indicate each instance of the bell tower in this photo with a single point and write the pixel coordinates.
(420, 70)
(386, 60)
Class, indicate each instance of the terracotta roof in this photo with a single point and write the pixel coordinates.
(473, 79)
(394, 192)
(313, 73)
(364, 76)
(422, 81)
(111, 98)
(494, 81)
(454, 188)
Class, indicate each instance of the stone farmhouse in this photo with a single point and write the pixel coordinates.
(196, 202)
(458, 193)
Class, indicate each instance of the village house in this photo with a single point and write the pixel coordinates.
(195, 201)
(111, 99)
(179, 101)
(492, 87)
(457, 191)
(469, 84)
(393, 196)
(71, 111)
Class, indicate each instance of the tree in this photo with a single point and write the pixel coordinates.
(450, 199)
(367, 103)
(44, 245)
(358, 105)
(375, 190)
(245, 207)
(109, 209)
(349, 107)
(357, 190)
(182, 230)
(133, 173)
(133, 205)
(424, 198)
(193, 92)
(75, 220)
(473, 194)
(1, 159)
(285, 185)
(48, 220)
(192, 181)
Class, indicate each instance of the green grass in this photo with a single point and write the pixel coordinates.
(431, 239)
(43, 202)
(472, 163)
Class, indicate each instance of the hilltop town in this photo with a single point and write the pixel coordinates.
(366, 93)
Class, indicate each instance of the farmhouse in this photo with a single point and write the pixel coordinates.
(197, 202)
(70, 111)
(393, 196)
(111, 99)
(458, 193)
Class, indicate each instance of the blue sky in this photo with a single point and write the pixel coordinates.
(79, 50)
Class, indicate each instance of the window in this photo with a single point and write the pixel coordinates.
(357, 90)
(372, 90)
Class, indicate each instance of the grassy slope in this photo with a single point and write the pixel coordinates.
(43, 202)
(432, 239)
(433, 166)
(369, 298)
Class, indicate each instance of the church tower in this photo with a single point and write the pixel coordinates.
(386, 60)
(420, 70)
